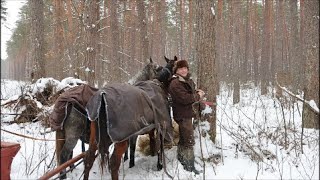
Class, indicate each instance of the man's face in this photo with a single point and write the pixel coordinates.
(182, 71)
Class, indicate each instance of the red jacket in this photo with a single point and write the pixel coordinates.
(183, 95)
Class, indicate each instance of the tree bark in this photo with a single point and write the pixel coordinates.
(115, 43)
(144, 41)
(58, 41)
(37, 38)
(265, 55)
(311, 89)
(91, 28)
(206, 56)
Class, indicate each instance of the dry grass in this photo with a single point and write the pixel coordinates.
(144, 141)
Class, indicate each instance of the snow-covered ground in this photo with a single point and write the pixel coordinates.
(255, 139)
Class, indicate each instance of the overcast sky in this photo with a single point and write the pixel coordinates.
(8, 26)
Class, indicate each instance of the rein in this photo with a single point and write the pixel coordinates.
(163, 154)
(29, 137)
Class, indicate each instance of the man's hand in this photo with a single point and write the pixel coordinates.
(201, 93)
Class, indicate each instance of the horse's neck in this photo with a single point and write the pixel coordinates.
(140, 76)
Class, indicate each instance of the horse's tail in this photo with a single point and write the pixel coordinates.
(60, 140)
(102, 136)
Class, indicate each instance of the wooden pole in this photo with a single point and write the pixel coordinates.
(62, 166)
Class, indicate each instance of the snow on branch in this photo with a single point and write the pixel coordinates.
(311, 104)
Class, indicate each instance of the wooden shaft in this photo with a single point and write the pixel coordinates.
(62, 166)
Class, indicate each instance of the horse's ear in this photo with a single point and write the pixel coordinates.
(167, 60)
(175, 58)
(151, 60)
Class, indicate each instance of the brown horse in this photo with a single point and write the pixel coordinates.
(69, 116)
(120, 111)
(163, 76)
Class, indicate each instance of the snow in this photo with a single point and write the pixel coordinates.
(255, 125)
(313, 104)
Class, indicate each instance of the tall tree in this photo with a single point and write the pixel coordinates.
(58, 40)
(206, 56)
(3, 10)
(37, 38)
(115, 42)
(92, 35)
(265, 54)
(190, 47)
(255, 42)
(244, 65)
(311, 88)
(70, 39)
(220, 42)
(181, 32)
(295, 52)
(133, 32)
(144, 40)
(236, 52)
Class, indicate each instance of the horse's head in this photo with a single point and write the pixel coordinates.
(149, 72)
(170, 63)
(152, 69)
(166, 73)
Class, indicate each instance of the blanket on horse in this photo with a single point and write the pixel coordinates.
(132, 110)
(75, 97)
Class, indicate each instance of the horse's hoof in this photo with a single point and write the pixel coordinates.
(63, 177)
(159, 167)
(131, 165)
(72, 167)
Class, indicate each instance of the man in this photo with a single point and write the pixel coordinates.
(183, 93)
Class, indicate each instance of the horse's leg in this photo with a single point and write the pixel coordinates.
(159, 163)
(125, 158)
(132, 142)
(159, 147)
(152, 143)
(126, 153)
(90, 153)
(66, 153)
(60, 135)
(116, 156)
(83, 148)
(73, 128)
(60, 141)
(70, 157)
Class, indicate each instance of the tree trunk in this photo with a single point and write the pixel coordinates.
(91, 27)
(255, 42)
(236, 57)
(115, 43)
(295, 52)
(205, 55)
(37, 38)
(311, 89)
(265, 55)
(143, 32)
(181, 33)
(58, 41)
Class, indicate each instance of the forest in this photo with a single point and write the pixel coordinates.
(259, 55)
(234, 42)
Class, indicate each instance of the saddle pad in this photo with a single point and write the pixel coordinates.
(77, 96)
(131, 110)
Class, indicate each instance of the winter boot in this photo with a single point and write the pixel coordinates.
(186, 158)
(180, 154)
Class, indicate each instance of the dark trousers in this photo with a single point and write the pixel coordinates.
(186, 132)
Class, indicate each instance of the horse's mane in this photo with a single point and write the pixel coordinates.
(140, 76)
(143, 75)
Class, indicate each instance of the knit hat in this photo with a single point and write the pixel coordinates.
(180, 64)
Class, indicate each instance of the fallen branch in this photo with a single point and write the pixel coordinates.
(63, 166)
(33, 138)
(315, 110)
